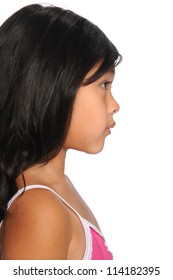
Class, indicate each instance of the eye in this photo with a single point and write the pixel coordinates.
(105, 85)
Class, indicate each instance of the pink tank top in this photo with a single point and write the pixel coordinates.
(96, 248)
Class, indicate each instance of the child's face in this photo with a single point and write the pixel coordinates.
(92, 115)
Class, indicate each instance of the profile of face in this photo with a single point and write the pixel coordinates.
(92, 117)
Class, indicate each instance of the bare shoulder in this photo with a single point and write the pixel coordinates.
(38, 226)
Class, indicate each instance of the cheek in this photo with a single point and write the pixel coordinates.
(88, 123)
(90, 115)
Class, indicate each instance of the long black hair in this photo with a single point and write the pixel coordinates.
(45, 53)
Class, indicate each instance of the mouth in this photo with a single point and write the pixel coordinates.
(112, 125)
(108, 129)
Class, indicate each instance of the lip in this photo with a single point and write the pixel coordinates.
(112, 125)
(108, 129)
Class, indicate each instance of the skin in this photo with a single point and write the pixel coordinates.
(93, 115)
(54, 231)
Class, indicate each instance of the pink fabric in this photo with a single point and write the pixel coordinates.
(99, 249)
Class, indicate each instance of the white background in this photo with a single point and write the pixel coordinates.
(129, 184)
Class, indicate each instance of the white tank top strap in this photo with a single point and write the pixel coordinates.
(41, 187)
(84, 222)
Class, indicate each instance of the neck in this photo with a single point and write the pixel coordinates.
(45, 174)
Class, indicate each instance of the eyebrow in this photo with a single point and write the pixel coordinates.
(111, 70)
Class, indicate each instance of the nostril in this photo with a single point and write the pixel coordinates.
(117, 108)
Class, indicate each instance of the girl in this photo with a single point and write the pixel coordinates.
(55, 94)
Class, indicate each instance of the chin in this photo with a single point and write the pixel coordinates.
(93, 150)
(88, 149)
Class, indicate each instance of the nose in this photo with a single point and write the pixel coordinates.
(114, 106)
